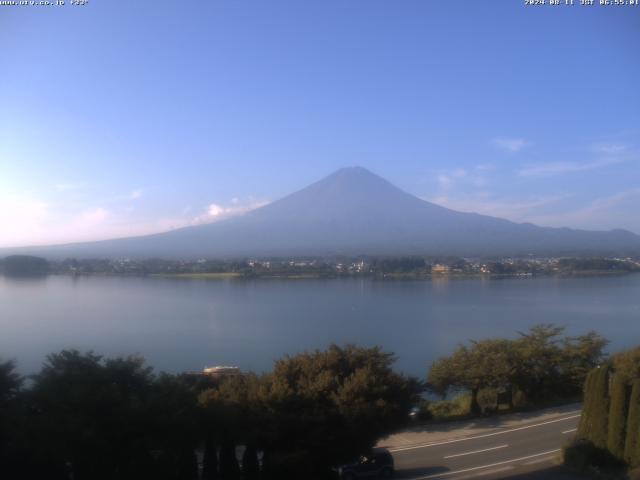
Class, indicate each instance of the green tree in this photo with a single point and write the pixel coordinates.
(329, 406)
(10, 382)
(250, 464)
(234, 407)
(210, 460)
(10, 418)
(69, 396)
(229, 467)
(485, 364)
(618, 409)
(539, 355)
(632, 442)
(579, 356)
(627, 363)
(588, 405)
(235, 410)
(540, 364)
(104, 418)
(174, 430)
(600, 409)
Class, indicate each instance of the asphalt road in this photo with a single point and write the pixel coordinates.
(529, 451)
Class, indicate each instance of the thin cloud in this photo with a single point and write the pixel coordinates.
(444, 181)
(476, 176)
(215, 212)
(65, 187)
(134, 195)
(561, 168)
(510, 144)
(510, 209)
(610, 148)
(485, 167)
(611, 211)
(36, 222)
(91, 218)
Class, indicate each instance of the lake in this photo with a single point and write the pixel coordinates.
(186, 324)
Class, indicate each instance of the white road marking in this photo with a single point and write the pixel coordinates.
(476, 451)
(570, 431)
(488, 472)
(502, 432)
(482, 467)
(540, 460)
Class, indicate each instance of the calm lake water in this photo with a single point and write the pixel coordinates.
(180, 324)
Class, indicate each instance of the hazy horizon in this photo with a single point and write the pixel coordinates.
(145, 117)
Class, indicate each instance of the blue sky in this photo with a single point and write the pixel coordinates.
(128, 117)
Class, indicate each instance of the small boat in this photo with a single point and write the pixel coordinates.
(221, 370)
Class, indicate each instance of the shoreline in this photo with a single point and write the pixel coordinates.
(313, 276)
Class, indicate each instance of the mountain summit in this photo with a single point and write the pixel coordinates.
(353, 212)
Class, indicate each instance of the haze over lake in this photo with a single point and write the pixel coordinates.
(181, 324)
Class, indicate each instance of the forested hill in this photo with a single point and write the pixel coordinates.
(18, 265)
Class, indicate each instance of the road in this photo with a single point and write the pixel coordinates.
(528, 451)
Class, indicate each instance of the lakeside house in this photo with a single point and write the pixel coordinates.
(440, 268)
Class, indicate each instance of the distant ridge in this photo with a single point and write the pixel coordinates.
(353, 212)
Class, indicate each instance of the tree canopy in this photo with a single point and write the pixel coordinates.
(540, 363)
(113, 418)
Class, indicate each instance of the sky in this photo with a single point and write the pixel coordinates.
(122, 118)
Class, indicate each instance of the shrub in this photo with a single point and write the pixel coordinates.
(634, 474)
(488, 399)
(583, 455)
(519, 399)
(456, 407)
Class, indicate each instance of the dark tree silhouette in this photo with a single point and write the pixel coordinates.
(250, 464)
(210, 460)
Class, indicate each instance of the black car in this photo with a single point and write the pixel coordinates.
(379, 464)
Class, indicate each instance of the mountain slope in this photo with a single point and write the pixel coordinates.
(353, 211)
